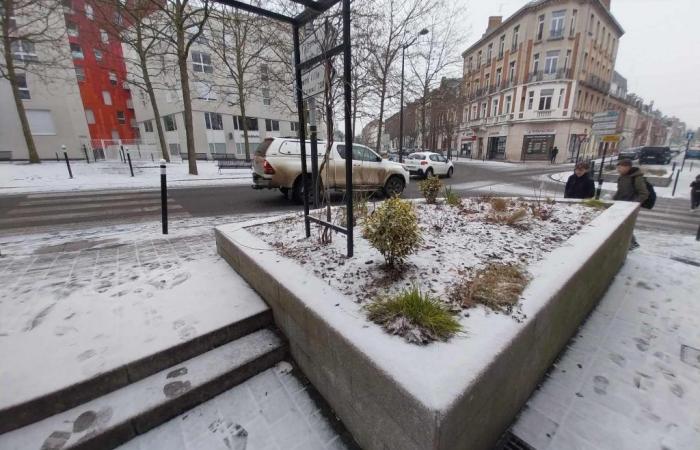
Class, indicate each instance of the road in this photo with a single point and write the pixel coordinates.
(50, 211)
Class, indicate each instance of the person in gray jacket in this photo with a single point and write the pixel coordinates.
(631, 187)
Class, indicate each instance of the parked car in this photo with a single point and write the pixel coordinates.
(655, 155)
(692, 154)
(277, 165)
(425, 164)
(630, 153)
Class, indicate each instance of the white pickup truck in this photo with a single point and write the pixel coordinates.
(277, 165)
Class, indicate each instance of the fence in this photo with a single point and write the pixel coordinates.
(140, 150)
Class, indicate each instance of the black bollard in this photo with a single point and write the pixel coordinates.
(87, 160)
(675, 183)
(163, 197)
(57, 160)
(70, 172)
(128, 156)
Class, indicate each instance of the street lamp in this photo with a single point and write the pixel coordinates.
(403, 59)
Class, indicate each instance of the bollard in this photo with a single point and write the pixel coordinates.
(152, 160)
(57, 160)
(675, 184)
(697, 236)
(121, 154)
(163, 197)
(65, 155)
(87, 160)
(673, 169)
(128, 156)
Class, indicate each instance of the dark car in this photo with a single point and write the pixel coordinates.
(692, 154)
(630, 153)
(655, 155)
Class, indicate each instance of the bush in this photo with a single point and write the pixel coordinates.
(430, 188)
(498, 204)
(418, 318)
(393, 230)
(497, 286)
(452, 198)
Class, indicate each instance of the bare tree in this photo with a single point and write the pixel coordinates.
(187, 20)
(25, 26)
(437, 55)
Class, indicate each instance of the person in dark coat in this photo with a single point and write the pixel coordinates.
(631, 187)
(553, 155)
(579, 185)
(695, 193)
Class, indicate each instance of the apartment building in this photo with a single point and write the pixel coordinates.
(534, 80)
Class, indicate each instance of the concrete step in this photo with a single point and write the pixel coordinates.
(115, 418)
(68, 397)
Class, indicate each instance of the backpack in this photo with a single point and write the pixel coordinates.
(651, 200)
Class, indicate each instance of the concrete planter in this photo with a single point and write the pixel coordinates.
(655, 181)
(462, 394)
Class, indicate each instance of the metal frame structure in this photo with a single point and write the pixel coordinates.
(313, 9)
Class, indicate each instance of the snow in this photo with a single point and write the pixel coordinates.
(501, 165)
(447, 369)
(623, 383)
(77, 303)
(456, 241)
(50, 176)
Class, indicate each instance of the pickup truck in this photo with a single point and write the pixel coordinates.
(277, 165)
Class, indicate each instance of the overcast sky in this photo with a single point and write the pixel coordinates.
(659, 53)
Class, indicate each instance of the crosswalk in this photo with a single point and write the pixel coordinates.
(64, 208)
(671, 215)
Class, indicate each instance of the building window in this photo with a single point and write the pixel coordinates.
(98, 54)
(272, 125)
(40, 122)
(217, 147)
(557, 25)
(72, 29)
(118, 19)
(567, 60)
(294, 126)
(590, 25)
(67, 6)
(113, 78)
(213, 121)
(508, 104)
(572, 25)
(597, 31)
(252, 123)
(79, 73)
(23, 50)
(494, 110)
(536, 63)
(471, 63)
(498, 77)
(545, 99)
(75, 51)
(550, 62)
(487, 81)
(89, 13)
(478, 59)
(104, 36)
(120, 117)
(205, 92)
(267, 100)
(501, 46)
(22, 86)
(511, 72)
(106, 97)
(90, 116)
(561, 98)
(514, 41)
(540, 27)
(148, 126)
(530, 99)
(489, 51)
(483, 109)
(201, 62)
(264, 73)
(584, 67)
(169, 123)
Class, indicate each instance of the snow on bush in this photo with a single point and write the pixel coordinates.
(393, 230)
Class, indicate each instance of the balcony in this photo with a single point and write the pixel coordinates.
(544, 114)
(598, 83)
(557, 75)
(555, 35)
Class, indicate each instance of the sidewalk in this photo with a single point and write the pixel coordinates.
(631, 378)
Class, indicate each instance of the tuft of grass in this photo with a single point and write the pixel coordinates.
(497, 286)
(417, 317)
(499, 204)
(594, 203)
(452, 198)
(656, 172)
(516, 217)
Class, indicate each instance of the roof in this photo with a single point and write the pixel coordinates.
(533, 6)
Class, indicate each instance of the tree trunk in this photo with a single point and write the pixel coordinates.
(154, 105)
(12, 77)
(381, 116)
(186, 101)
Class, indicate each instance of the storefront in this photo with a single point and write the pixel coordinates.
(537, 146)
(497, 147)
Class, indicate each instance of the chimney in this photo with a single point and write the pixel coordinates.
(606, 3)
(494, 22)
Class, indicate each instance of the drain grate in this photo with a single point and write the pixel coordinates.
(510, 441)
(690, 355)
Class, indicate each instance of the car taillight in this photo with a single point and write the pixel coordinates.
(267, 168)
(424, 163)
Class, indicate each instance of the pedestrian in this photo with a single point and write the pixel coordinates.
(580, 184)
(631, 187)
(695, 193)
(553, 154)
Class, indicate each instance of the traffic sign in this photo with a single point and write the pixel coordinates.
(606, 116)
(690, 136)
(612, 138)
(604, 126)
(313, 79)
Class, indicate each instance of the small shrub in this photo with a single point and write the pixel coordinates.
(393, 230)
(499, 204)
(417, 317)
(514, 219)
(452, 198)
(517, 216)
(430, 188)
(594, 203)
(497, 286)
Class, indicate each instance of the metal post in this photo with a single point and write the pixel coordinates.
(697, 236)
(121, 154)
(57, 160)
(152, 160)
(673, 169)
(163, 197)
(87, 160)
(128, 156)
(685, 155)
(347, 78)
(675, 183)
(65, 155)
(600, 175)
(314, 149)
(403, 57)
(302, 126)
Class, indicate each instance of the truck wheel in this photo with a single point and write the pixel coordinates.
(285, 192)
(394, 186)
(450, 171)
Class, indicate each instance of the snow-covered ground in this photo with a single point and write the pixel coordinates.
(51, 176)
(631, 378)
(456, 242)
(686, 177)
